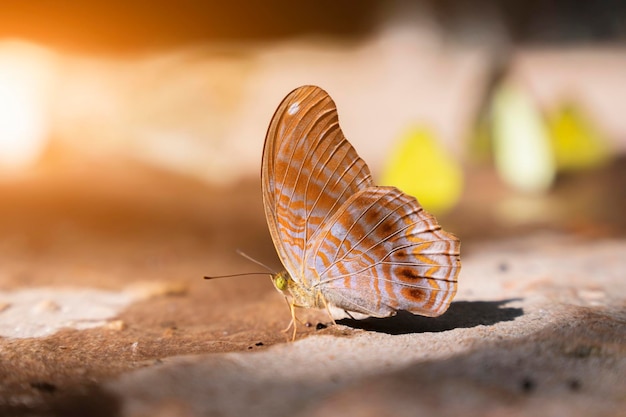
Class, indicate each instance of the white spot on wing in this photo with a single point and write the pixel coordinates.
(293, 108)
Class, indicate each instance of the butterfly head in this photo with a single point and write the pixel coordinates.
(295, 292)
(281, 281)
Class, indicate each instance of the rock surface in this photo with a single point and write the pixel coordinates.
(537, 327)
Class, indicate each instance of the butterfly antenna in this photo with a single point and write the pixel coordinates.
(248, 257)
(251, 259)
(235, 275)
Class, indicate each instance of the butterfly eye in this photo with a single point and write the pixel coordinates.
(280, 282)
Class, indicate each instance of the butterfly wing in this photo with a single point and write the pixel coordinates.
(381, 252)
(309, 171)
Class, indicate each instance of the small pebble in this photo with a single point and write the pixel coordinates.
(116, 325)
(43, 386)
(574, 385)
(149, 289)
(47, 306)
(528, 385)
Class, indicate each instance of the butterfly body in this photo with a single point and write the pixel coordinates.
(345, 242)
(297, 294)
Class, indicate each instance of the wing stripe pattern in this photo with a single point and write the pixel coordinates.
(386, 268)
(306, 127)
(364, 248)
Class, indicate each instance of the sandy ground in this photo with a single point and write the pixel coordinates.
(103, 309)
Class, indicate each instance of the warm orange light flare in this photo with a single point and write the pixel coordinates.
(25, 75)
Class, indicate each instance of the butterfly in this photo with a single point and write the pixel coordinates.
(347, 244)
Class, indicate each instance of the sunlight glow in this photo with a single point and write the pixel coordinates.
(25, 75)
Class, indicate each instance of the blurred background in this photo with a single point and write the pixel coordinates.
(502, 117)
(130, 149)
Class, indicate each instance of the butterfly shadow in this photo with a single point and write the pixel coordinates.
(460, 314)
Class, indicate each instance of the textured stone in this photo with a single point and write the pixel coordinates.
(520, 341)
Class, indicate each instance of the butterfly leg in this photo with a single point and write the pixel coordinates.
(319, 295)
(293, 321)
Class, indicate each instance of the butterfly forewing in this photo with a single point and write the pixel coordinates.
(381, 252)
(309, 170)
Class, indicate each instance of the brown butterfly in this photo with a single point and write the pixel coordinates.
(345, 242)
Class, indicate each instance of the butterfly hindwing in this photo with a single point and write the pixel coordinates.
(381, 252)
